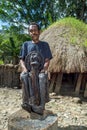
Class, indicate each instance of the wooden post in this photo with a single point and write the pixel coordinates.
(75, 80)
(79, 80)
(52, 83)
(58, 83)
(85, 92)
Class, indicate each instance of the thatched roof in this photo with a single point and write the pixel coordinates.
(68, 43)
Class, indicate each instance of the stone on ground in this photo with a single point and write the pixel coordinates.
(22, 120)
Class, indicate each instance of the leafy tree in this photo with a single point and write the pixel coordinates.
(75, 8)
(22, 12)
(10, 50)
(10, 47)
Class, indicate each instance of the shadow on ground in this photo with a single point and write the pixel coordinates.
(73, 128)
(80, 96)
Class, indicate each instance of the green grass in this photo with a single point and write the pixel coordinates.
(72, 22)
(77, 30)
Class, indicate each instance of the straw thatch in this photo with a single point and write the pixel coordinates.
(69, 55)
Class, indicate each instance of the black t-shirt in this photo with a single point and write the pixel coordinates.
(41, 46)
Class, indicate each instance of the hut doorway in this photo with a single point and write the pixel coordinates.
(68, 83)
(62, 82)
(72, 83)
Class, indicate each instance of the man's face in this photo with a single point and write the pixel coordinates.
(34, 33)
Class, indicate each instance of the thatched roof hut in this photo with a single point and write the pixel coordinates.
(68, 42)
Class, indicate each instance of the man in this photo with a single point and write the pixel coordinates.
(43, 48)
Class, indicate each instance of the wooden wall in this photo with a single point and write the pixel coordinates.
(9, 76)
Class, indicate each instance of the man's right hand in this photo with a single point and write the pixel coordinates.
(24, 69)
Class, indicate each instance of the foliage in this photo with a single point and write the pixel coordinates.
(45, 12)
(1, 62)
(22, 12)
(73, 8)
(10, 47)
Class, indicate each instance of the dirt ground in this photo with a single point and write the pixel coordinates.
(71, 111)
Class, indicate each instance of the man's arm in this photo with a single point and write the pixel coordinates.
(24, 69)
(46, 65)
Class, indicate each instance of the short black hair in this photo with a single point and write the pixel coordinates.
(34, 23)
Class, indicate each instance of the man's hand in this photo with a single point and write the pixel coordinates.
(46, 64)
(42, 71)
(24, 69)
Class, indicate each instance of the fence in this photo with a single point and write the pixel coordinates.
(9, 76)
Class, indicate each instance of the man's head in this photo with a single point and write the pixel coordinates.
(34, 31)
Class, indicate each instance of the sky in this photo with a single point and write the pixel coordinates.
(2, 23)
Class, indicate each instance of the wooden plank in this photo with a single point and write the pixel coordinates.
(58, 83)
(83, 81)
(85, 92)
(79, 80)
(75, 80)
(52, 83)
